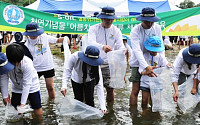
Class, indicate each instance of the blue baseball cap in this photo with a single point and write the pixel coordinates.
(32, 29)
(154, 44)
(148, 14)
(192, 54)
(91, 56)
(5, 65)
(107, 13)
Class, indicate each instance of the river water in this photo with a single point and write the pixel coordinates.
(118, 114)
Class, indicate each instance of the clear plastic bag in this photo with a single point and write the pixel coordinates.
(186, 101)
(78, 110)
(117, 65)
(11, 114)
(161, 91)
(24, 109)
(156, 96)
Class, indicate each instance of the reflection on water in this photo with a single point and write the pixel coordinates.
(118, 114)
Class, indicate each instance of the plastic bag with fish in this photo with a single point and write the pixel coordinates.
(186, 101)
(117, 65)
(78, 110)
(11, 114)
(162, 91)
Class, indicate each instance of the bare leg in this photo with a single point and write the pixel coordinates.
(191, 40)
(74, 41)
(38, 113)
(134, 94)
(50, 87)
(9, 38)
(179, 44)
(145, 99)
(4, 40)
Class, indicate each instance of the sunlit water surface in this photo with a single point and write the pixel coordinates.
(118, 114)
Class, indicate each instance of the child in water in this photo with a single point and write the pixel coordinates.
(154, 45)
(24, 80)
(84, 70)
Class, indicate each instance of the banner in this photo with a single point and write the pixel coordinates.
(173, 23)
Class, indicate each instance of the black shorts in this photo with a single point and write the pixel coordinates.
(47, 74)
(84, 92)
(9, 32)
(34, 99)
(182, 39)
(74, 36)
(144, 89)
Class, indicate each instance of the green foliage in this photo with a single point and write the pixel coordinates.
(19, 2)
(187, 4)
(183, 5)
(26, 2)
(198, 5)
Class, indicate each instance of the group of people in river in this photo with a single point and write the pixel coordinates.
(90, 69)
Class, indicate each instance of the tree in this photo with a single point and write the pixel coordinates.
(198, 5)
(26, 2)
(19, 2)
(186, 4)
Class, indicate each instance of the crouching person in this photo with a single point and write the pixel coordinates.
(84, 70)
(24, 80)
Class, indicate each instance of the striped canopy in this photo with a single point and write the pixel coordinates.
(88, 7)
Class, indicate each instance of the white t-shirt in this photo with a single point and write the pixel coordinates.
(73, 70)
(99, 36)
(40, 50)
(1, 36)
(158, 61)
(180, 65)
(138, 36)
(167, 42)
(129, 49)
(13, 33)
(24, 79)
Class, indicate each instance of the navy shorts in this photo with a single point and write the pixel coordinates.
(144, 89)
(182, 39)
(34, 99)
(47, 74)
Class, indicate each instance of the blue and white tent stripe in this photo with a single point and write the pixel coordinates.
(88, 7)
